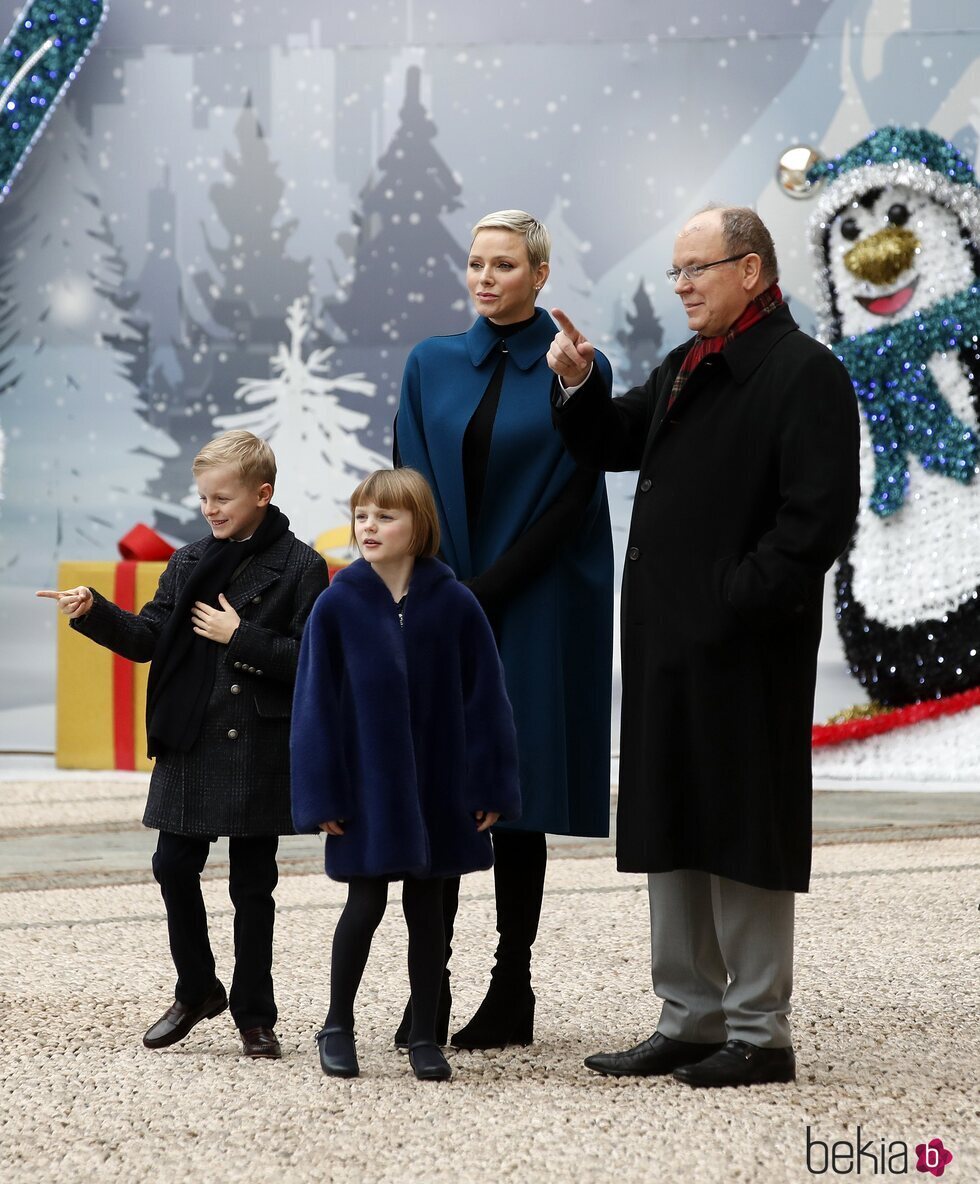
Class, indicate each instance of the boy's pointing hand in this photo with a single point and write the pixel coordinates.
(75, 602)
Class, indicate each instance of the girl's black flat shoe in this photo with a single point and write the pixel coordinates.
(338, 1056)
(428, 1063)
(404, 1030)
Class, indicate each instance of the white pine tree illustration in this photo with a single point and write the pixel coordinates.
(314, 434)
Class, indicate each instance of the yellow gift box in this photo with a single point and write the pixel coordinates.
(101, 698)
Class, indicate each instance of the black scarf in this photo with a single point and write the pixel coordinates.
(182, 672)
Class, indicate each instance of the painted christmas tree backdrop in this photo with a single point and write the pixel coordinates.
(71, 368)
(251, 214)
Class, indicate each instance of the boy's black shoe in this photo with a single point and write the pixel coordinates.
(178, 1020)
(261, 1044)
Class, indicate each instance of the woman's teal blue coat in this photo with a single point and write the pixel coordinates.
(555, 634)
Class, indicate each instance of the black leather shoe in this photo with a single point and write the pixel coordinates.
(428, 1063)
(261, 1043)
(652, 1058)
(741, 1063)
(178, 1020)
(338, 1056)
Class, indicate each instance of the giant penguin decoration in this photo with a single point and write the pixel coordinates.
(895, 238)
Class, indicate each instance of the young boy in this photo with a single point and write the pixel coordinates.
(222, 634)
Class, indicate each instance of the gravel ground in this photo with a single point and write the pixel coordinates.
(886, 1032)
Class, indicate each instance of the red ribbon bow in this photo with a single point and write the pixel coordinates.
(143, 543)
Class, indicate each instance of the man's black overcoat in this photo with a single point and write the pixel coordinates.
(235, 778)
(747, 492)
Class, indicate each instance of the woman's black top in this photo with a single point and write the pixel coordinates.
(537, 546)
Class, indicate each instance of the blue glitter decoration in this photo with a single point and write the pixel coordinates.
(888, 144)
(906, 413)
(38, 62)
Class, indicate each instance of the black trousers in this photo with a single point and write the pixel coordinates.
(253, 875)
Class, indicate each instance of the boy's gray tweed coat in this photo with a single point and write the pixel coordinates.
(235, 778)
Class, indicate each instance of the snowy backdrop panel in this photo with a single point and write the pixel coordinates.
(246, 214)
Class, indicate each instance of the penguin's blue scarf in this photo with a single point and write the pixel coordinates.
(904, 408)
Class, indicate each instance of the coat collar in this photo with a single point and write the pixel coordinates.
(273, 557)
(748, 351)
(743, 356)
(262, 570)
(525, 347)
(426, 574)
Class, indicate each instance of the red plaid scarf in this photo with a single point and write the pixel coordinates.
(752, 314)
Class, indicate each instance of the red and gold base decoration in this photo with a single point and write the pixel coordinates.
(101, 698)
(869, 719)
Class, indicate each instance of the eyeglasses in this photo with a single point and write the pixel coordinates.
(693, 270)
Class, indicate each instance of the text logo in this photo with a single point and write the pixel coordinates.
(873, 1157)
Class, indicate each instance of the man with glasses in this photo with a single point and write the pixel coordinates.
(746, 442)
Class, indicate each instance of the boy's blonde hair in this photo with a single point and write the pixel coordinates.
(402, 489)
(253, 459)
(535, 234)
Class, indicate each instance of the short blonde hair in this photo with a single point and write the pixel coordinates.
(535, 234)
(402, 489)
(252, 458)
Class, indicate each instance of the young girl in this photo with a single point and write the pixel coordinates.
(403, 749)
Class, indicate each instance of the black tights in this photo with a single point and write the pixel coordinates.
(367, 899)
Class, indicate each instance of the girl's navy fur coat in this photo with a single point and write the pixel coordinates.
(401, 732)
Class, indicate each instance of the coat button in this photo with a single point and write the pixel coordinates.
(256, 599)
(633, 553)
(232, 733)
(645, 484)
(235, 689)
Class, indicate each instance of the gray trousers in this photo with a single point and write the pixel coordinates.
(722, 959)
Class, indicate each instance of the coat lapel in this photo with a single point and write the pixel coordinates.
(739, 359)
(264, 570)
(671, 364)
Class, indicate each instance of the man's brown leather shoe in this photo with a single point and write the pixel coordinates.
(261, 1042)
(741, 1063)
(650, 1058)
(178, 1020)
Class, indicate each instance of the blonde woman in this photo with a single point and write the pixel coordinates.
(528, 531)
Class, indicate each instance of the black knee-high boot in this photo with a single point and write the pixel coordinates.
(506, 1015)
(450, 904)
